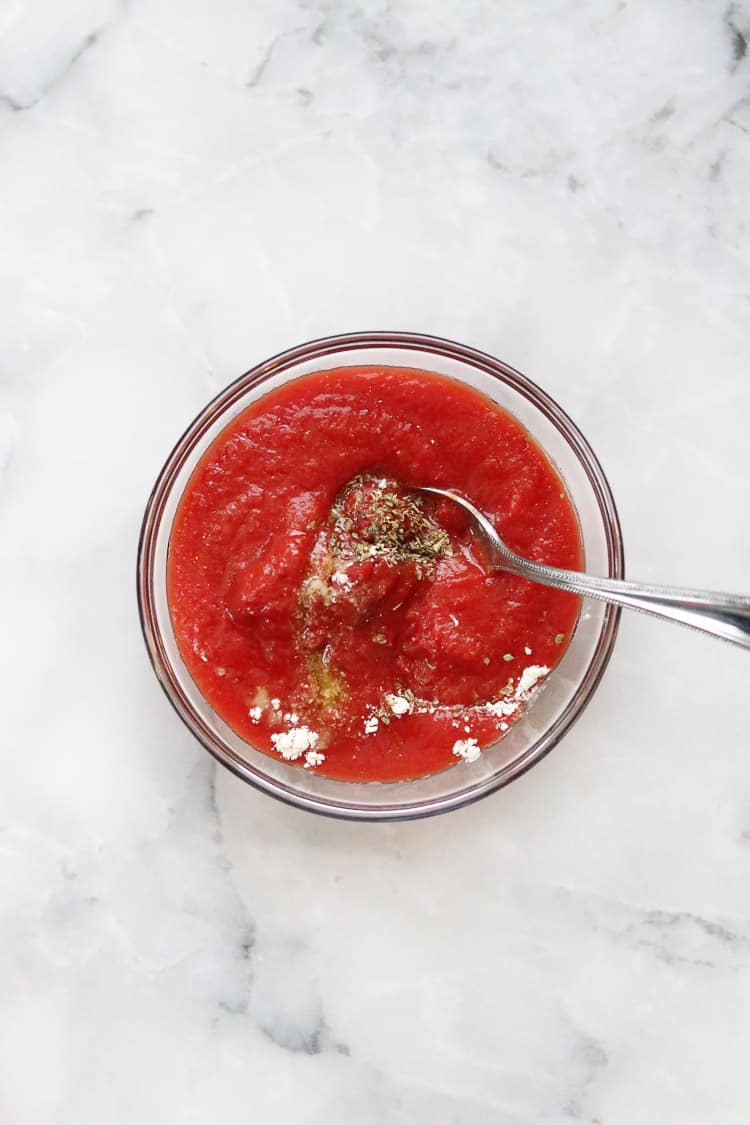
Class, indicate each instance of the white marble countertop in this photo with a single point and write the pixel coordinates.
(186, 188)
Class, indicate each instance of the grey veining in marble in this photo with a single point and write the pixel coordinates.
(186, 189)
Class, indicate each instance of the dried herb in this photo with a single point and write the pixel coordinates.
(374, 518)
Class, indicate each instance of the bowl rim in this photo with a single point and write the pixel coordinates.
(223, 401)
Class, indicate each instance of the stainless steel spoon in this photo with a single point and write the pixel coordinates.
(723, 615)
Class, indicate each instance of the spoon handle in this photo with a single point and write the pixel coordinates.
(722, 615)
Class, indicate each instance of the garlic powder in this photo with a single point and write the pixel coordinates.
(398, 704)
(467, 748)
(530, 677)
(292, 744)
(342, 579)
(502, 708)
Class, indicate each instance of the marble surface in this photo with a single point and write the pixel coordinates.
(186, 188)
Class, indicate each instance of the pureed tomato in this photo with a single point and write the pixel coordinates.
(319, 638)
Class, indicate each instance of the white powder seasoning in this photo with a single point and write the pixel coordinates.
(530, 677)
(502, 708)
(371, 725)
(398, 704)
(342, 579)
(313, 758)
(255, 714)
(528, 682)
(292, 744)
(467, 748)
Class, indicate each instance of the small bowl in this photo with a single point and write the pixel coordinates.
(569, 687)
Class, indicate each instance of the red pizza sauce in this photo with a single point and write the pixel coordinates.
(333, 617)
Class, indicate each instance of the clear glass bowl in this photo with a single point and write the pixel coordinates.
(567, 690)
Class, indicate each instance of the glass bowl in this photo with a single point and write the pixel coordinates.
(568, 688)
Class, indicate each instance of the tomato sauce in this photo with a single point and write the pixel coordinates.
(333, 618)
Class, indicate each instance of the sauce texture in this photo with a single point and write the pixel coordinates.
(333, 618)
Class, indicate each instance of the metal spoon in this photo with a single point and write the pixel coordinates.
(722, 615)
